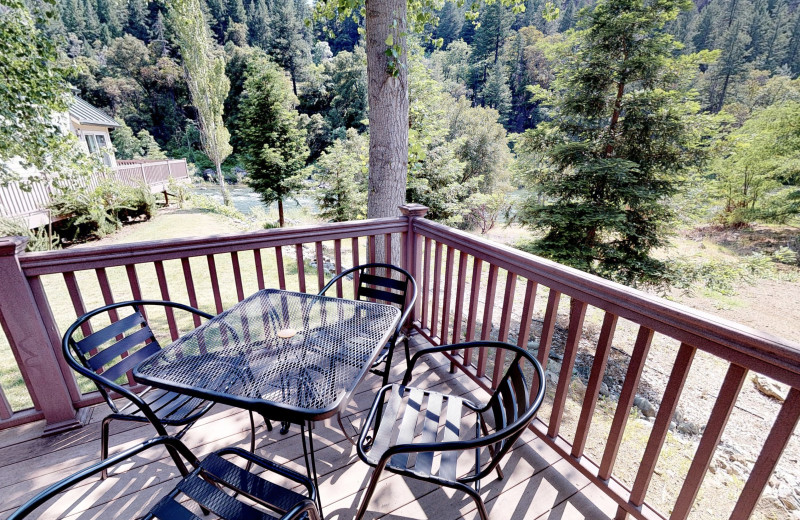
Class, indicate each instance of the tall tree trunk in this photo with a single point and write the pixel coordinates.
(280, 212)
(226, 197)
(388, 111)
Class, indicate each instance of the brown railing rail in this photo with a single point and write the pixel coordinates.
(470, 288)
(453, 304)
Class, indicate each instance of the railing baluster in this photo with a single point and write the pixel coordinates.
(601, 353)
(776, 442)
(488, 311)
(77, 300)
(728, 393)
(237, 276)
(426, 285)
(259, 269)
(448, 286)
(105, 291)
(632, 377)
(133, 282)
(527, 314)
(672, 393)
(320, 266)
(387, 245)
(505, 325)
(371, 249)
(576, 316)
(187, 277)
(162, 284)
(5, 408)
(461, 285)
(437, 280)
(212, 272)
(301, 267)
(356, 277)
(279, 266)
(472, 314)
(548, 327)
(337, 253)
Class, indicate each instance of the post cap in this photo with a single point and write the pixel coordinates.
(11, 246)
(413, 210)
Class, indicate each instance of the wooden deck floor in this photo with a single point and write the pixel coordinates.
(538, 484)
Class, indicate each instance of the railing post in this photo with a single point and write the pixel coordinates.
(413, 245)
(31, 344)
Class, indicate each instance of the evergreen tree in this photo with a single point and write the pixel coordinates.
(273, 141)
(496, 93)
(72, 15)
(236, 11)
(617, 143)
(731, 64)
(137, 25)
(109, 15)
(288, 46)
(777, 36)
(92, 27)
(340, 179)
(218, 18)
(487, 47)
(259, 25)
(451, 20)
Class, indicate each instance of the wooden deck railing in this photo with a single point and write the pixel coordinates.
(31, 206)
(470, 288)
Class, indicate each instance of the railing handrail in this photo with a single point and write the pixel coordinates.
(50, 262)
(774, 356)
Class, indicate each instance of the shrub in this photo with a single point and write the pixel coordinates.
(38, 239)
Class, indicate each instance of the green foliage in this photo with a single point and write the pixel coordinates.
(272, 138)
(720, 276)
(35, 144)
(97, 212)
(205, 74)
(617, 145)
(752, 163)
(38, 239)
(486, 209)
(139, 146)
(339, 181)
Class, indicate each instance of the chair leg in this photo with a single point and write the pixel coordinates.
(478, 501)
(344, 432)
(104, 429)
(373, 482)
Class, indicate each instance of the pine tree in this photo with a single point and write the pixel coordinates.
(236, 11)
(451, 20)
(731, 64)
(92, 29)
(72, 15)
(137, 25)
(616, 145)
(259, 25)
(288, 46)
(488, 46)
(273, 141)
(777, 36)
(340, 179)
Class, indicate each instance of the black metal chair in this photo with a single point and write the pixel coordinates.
(396, 446)
(213, 486)
(388, 290)
(110, 353)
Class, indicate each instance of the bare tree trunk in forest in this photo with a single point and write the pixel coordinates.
(280, 212)
(388, 113)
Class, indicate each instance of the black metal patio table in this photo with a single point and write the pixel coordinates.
(295, 357)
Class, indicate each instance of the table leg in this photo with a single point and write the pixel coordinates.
(311, 469)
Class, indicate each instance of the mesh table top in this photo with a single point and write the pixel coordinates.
(289, 356)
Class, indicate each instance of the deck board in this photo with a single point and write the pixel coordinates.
(538, 483)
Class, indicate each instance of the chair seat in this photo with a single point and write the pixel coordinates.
(413, 415)
(201, 486)
(171, 408)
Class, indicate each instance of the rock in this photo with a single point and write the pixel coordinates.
(672, 425)
(770, 388)
(678, 417)
(551, 378)
(688, 428)
(557, 357)
(577, 389)
(647, 408)
(604, 390)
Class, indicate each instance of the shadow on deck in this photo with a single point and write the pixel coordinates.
(538, 483)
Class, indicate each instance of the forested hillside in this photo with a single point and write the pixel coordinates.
(490, 93)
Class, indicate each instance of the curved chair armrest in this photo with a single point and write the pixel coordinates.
(85, 473)
(463, 346)
(306, 507)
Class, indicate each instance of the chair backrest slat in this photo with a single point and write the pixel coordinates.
(127, 363)
(382, 281)
(369, 292)
(105, 334)
(107, 355)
